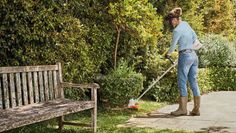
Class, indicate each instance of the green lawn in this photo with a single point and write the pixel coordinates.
(107, 122)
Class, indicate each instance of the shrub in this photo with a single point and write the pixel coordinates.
(223, 78)
(209, 79)
(217, 79)
(217, 51)
(233, 54)
(166, 89)
(120, 85)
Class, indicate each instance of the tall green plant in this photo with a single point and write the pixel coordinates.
(136, 17)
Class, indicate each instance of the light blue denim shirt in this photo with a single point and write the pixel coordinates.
(184, 36)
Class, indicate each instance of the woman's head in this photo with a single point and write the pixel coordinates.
(174, 16)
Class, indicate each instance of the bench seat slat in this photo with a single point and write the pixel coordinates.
(25, 115)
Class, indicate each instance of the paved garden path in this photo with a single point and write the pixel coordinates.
(218, 115)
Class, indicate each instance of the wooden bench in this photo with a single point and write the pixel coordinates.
(30, 94)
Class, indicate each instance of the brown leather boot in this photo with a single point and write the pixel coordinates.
(196, 108)
(182, 110)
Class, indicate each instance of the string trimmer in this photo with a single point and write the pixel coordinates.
(133, 103)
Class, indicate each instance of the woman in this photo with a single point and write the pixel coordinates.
(184, 36)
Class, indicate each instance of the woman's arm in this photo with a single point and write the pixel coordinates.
(175, 39)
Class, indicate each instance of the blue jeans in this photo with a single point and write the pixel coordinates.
(187, 70)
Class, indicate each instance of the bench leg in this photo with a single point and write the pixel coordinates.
(94, 110)
(94, 119)
(60, 122)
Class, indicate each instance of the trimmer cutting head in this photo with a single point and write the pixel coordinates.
(133, 104)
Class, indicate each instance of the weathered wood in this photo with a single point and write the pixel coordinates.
(41, 90)
(1, 101)
(60, 123)
(5, 91)
(28, 68)
(39, 97)
(12, 90)
(36, 88)
(82, 86)
(76, 124)
(30, 86)
(60, 89)
(33, 113)
(18, 89)
(46, 90)
(25, 92)
(94, 110)
(55, 84)
(50, 80)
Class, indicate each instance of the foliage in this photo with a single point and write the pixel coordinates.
(193, 14)
(219, 17)
(42, 32)
(217, 79)
(137, 18)
(166, 89)
(223, 78)
(217, 51)
(120, 85)
(100, 34)
(209, 79)
(81, 34)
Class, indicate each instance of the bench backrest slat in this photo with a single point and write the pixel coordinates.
(41, 92)
(5, 91)
(25, 92)
(55, 83)
(50, 85)
(12, 90)
(46, 90)
(29, 84)
(1, 101)
(30, 87)
(36, 87)
(18, 89)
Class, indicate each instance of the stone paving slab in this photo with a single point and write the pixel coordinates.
(218, 115)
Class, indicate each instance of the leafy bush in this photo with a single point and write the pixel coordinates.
(154, 65)
(223, 78)
(120, 85)
(166, 89)
(217, 51)
(209, 79)
(233, 54)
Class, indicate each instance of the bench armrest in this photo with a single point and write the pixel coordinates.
(82, 86)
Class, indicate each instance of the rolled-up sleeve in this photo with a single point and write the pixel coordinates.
(175, 39)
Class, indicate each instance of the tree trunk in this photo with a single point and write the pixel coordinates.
(116, 46)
